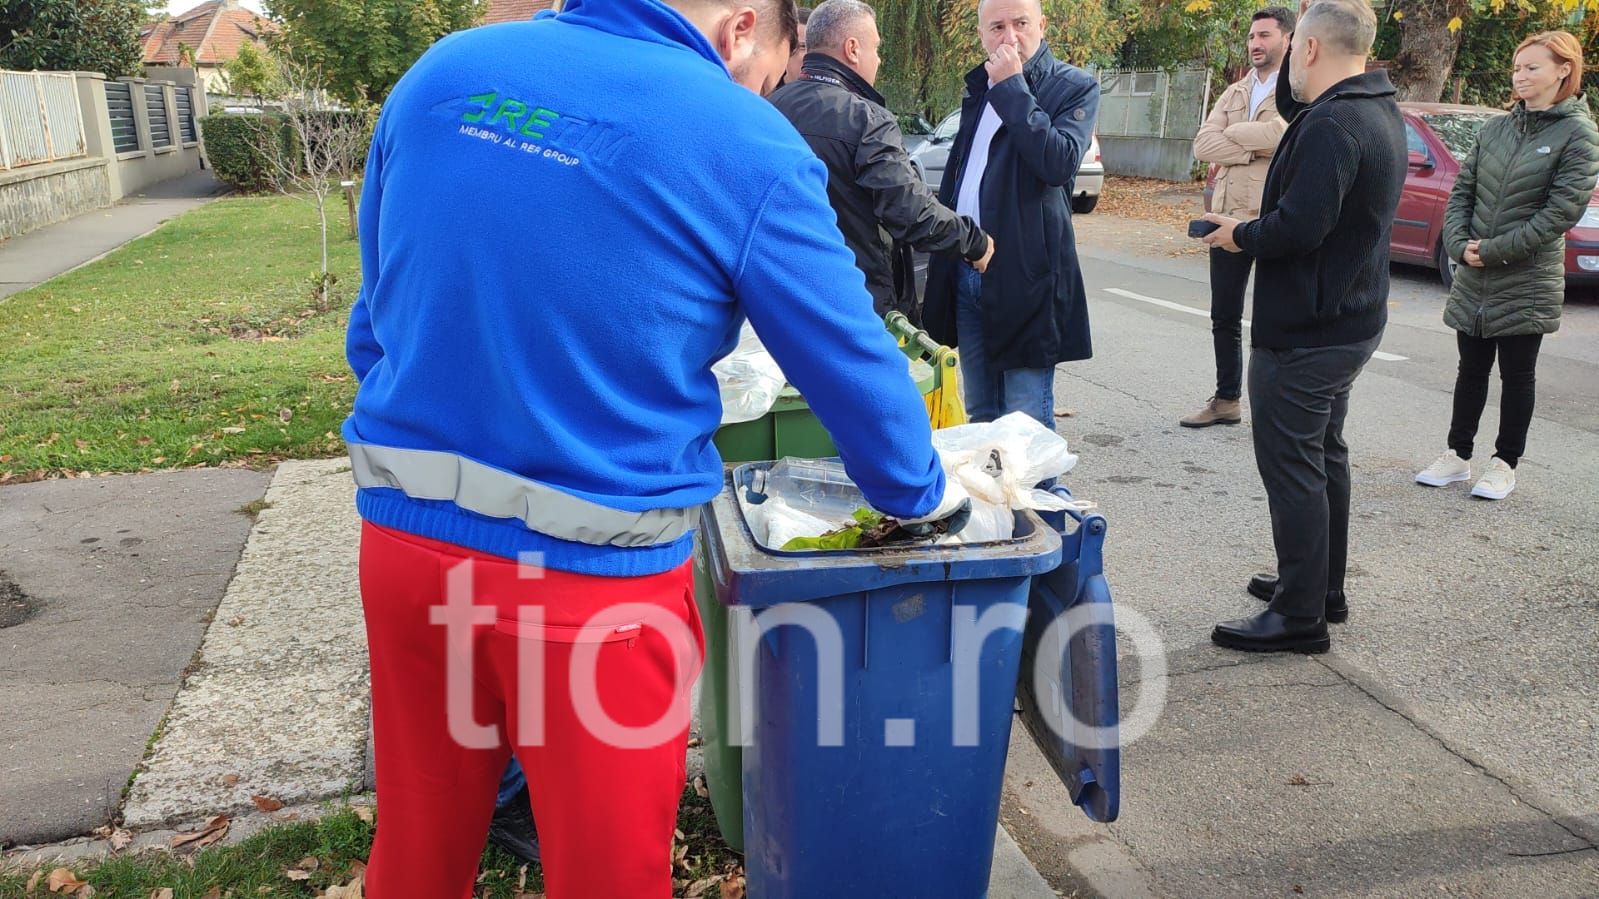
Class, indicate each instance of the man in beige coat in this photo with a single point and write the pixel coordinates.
(1238, 140)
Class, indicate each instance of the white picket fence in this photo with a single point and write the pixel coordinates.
(40, 120)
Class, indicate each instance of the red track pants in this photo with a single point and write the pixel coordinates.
(602, 741)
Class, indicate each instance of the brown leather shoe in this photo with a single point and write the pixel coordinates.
(1216, 412)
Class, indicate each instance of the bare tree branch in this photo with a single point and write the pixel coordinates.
(326, 144)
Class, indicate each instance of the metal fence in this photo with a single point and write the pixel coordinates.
(119, 109)
(1152, 103)
(40, 120)
(155, 104)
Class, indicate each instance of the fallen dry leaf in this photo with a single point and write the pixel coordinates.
(163, 893)
(297, 874)
(351, 890)
(233, 430)
(120, 840)
(521, 878)
(733, 888)
(34, 880)
(62, 880)
(87, 892)
(214, 830)
(213, 893)
(364, 812)
(266, 803)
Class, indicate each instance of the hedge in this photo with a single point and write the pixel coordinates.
(235, 144)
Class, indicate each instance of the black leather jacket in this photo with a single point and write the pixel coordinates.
(884, 208)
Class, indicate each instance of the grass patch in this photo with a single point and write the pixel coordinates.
(254, 508)
(197, 345)
(340, 843)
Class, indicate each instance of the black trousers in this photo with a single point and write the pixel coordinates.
(1518, 365)
(1229, 279)
(1299, 399)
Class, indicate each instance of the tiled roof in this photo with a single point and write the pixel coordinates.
(214, 30)
(512, 10)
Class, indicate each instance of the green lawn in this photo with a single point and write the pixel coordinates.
(267, 864)
(198, 345)
(271, 864)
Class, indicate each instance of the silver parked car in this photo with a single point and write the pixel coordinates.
(932, 154)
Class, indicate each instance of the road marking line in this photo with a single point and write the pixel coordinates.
(1179, 307)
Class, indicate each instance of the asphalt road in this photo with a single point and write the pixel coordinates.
(1450, 741)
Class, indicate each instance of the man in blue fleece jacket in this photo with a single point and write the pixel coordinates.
(564, 224)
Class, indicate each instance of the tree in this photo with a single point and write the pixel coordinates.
(1430, 37)
(252, 74)
(327, 143)
(364, 46)
(1433, 32)
(930, 45)
(72, 35)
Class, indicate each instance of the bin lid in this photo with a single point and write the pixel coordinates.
(748, 574)
(1068, 690)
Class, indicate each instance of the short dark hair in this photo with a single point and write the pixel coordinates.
(786, 19)
(1283, 15)
(804, 14)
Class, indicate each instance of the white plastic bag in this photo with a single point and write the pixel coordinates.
(774, 522)
(1000, 463)
(749, 379)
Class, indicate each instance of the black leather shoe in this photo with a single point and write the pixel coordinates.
(1271, 632)
(1264, 586)
(512, 829)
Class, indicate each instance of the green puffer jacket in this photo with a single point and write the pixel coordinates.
(1526, 183)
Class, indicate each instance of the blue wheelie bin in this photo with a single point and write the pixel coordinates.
(882, 683)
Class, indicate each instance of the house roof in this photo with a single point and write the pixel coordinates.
(512, 10)
(214, 30)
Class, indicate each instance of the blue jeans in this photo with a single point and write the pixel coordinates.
(990, 394)
(512, 782)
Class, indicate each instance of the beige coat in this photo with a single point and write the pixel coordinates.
(1241, 146)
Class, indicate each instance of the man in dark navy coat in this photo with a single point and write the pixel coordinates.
(1026, 121)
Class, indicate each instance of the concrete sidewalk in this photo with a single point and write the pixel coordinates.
(33, 258)
(110, 584)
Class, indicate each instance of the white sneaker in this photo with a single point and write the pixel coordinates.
(1445, 470)
(1496, 482)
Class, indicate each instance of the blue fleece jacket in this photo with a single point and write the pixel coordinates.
(564, 223)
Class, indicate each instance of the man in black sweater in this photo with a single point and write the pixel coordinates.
(1321, 295)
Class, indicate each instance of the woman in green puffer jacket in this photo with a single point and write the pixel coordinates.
(1526, 183)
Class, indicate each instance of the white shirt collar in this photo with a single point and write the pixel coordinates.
(1256, 81)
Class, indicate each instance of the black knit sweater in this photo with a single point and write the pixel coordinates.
(1326, 217)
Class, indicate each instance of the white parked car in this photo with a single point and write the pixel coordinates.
(931, 155)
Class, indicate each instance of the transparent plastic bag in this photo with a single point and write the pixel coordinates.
(748, 379)
(1000, 463)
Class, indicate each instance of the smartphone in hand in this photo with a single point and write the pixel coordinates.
(1200, 228)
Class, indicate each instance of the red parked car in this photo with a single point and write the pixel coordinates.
(1440, 136)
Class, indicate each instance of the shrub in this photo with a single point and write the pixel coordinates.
(238, 147)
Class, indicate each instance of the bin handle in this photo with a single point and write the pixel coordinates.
(908, 334)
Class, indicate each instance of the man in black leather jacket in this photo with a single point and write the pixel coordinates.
(884, 208)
